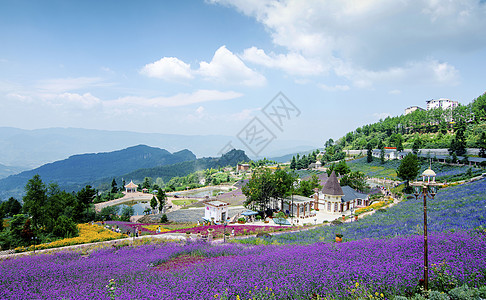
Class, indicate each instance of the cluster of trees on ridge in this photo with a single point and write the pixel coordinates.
(427, 129)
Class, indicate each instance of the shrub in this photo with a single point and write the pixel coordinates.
(65, 227)
(436, 295)
(164, 219)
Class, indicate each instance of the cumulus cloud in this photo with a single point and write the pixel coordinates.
(168, 68)
(228, 68)
(292, 63)
(225, 67)
(375, 36)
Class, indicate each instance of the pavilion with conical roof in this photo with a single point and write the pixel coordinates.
(131, 187)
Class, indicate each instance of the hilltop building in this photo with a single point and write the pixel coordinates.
(441, 103)
(411, 109)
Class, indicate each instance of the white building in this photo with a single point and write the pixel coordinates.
(216, 211)
(441, 103)
(411, 109)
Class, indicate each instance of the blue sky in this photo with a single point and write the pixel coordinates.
(210, 67)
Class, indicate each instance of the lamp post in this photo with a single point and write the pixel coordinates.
(426, 187)
(224, 231)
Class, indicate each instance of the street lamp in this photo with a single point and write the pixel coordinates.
(224, 231)
(426, 187)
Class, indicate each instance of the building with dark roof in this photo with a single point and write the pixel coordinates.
(336, 199)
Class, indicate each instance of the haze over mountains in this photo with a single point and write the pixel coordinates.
(27, 149)
(76, 171)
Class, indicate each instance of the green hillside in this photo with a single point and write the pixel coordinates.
(430, 129)
(181, 169)
(76, 171)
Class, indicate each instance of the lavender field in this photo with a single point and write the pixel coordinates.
(460, 207)
(381, 258)
(202, 271)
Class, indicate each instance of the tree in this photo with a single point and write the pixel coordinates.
(306, 187)
(356, 180)
(35, 200)
(342, 168)
(11, 207)
(153, 203)
(127, 212)
(408, 169)
(162, 197)
(482, 145)
(86, 196)
(293, 164)
(259, 189)
(382, 151)
(65, 227)
(147, 182)
(164, 219)
(460, 139)
(369, 153)
(114, 188)
(417, 143)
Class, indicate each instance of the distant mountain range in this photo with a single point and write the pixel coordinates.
(27, 149)
(133, 163)
(6, 171)
(78, 170)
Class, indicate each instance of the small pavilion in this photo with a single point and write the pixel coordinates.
(131, 187)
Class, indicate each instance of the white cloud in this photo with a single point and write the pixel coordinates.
(373, 36)
(168, 68)
(292, 63)
(425, 72)
(181, 99)
(200, 110)
(334, 88)
(394, 92)
(226, 67)
(59, 85)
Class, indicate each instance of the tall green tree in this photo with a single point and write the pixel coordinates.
(482, 145)
(86, 196)
(34, 200)
(114, 188)
(417, 143)
(408, 169)
(369, 153)
(153, 203)
(162, 198)
(293, 164)
(147, 182)
(259, 190)
(382, 151)
(306, 187)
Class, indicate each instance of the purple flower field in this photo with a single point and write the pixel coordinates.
(389, 266)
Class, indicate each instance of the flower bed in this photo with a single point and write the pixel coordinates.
(239, 230)
(336, 271)
(87, 234)
(460, 207)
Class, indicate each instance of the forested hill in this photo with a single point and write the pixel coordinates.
(231, 158)
(76, 171)
(428, 129)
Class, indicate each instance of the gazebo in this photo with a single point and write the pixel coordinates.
(131, 187)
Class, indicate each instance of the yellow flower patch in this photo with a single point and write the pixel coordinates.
(87, 234)
(154, 228)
